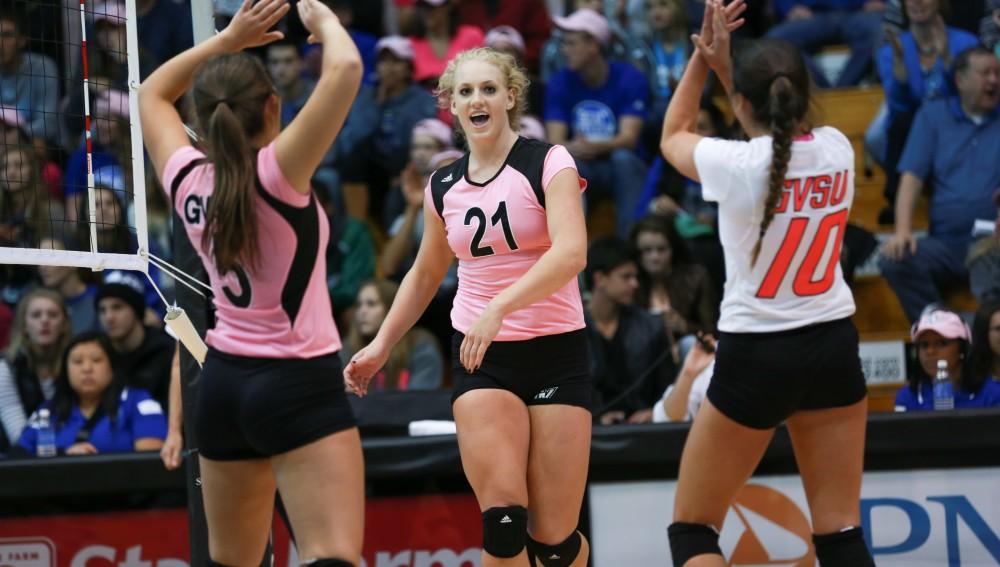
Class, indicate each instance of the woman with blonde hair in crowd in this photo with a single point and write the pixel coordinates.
(28, 371)
(27, 212)
(511, 211)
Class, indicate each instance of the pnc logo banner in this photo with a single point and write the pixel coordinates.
(765, 527)
(921, 518)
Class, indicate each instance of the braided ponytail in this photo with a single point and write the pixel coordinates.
(783, 108)
(772, 76)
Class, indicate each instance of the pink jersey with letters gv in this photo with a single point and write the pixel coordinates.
(498, 230)
(281, 309)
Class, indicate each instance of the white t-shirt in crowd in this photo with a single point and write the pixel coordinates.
(797, 280)
(697, 395)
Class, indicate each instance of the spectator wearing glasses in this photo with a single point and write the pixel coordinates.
(953, 146)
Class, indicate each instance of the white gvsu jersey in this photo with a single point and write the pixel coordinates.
(797, 280)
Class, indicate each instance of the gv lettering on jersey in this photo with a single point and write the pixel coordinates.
(195, 207)
(957, 509)
(817, 192)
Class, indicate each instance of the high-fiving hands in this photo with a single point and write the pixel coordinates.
(249, 27)
(714, 40)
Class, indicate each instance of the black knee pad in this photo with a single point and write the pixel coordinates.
(328, 562)
(505, 530)
(689, 540)
(558, 555)
(845, 548)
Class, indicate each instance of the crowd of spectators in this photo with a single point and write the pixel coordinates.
(90, 345)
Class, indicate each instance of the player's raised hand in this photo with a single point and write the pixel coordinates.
(713, 42)
(730, 15)
(250, 25)
(316, 16)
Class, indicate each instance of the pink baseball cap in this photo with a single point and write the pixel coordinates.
(435, 129)
(113, 101)
(112, 12)
(587, 21)
(399, 46)
(532, 128)
(945, 323)
(504, 34)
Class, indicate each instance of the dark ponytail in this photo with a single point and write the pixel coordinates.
(229, 95)
(772, 75)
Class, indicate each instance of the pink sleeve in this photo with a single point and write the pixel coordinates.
(429, 197)
(557, 160)
(274, 181)
(183, 156)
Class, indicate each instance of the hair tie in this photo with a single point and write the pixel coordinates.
(780, 74)
(223, 100)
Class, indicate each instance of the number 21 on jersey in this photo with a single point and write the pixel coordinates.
(499, 217)
(804, 284)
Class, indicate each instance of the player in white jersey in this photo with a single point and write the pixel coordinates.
(787, 350)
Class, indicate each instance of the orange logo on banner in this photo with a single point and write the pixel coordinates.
(774, 530)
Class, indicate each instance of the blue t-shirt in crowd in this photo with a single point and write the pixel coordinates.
(139, 417)
(365, 42)
(960, 159)
(987, 397)
(920, 85)
(782, 7)
(594, 113)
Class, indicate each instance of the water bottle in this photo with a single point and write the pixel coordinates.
(944, 397)
(46, 435)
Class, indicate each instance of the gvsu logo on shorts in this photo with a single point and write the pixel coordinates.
(765, 527)
(594, 120)
(27, 552)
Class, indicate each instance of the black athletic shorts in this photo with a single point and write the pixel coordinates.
(251, 408)
(761, 379)
(552, 369)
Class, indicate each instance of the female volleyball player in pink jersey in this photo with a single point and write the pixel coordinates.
(272, 411)
(787, 350)
(511, 211)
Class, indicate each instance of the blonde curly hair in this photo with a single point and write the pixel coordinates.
(514, 76)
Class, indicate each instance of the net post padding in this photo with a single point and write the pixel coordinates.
(135, 126)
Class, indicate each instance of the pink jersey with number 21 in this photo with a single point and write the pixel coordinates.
(498, 230)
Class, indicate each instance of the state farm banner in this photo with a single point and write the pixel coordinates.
(911, 519)
(423, 531)
(156, 538)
